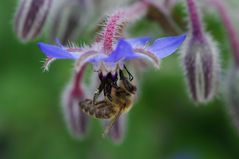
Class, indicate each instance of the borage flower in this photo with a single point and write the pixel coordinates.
(109, 55)
(105, 61)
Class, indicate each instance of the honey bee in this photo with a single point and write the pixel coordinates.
(124, 95)
(118, 101)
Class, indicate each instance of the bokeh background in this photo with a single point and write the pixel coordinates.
(164, 123)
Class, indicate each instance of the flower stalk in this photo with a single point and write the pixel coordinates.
(231, 30)
(110, 54)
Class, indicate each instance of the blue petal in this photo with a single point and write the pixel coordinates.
(139, 41)
(164, 47)
(123, 51)
(55, 51)
(58, 42)
(98, 58)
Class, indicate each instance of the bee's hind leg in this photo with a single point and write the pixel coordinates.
(98, 92)
(112, 122)
(126, 83)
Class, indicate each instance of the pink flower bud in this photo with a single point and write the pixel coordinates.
(30, 18)
(69, 19)
(76, 120)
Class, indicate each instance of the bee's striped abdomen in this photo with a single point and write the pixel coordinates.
(100, 110)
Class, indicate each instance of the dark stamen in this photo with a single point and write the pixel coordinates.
(101, 77)
(107, 82)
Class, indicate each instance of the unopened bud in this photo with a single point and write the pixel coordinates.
(160, 11)
(200, 59)
(30, 18)
(76, 120)
(232, 94)
(69, 18)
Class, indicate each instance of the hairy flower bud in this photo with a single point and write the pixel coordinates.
(232, 94)
(76, 120)
(160, 11)
(30, 18)
(69, 18)
(200, 59)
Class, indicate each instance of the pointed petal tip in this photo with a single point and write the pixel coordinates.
(53, 51)
(58, 42)
(182, 36)
(166, 46)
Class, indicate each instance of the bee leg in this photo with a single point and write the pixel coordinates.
(109, 97)
(108, 128)
(107, 91)
(98, 92)
(131, 77)
(96, 95)
(128, 86)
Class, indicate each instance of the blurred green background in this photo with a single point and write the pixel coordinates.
(164, 123)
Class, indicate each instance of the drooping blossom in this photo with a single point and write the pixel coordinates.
(112, 51)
